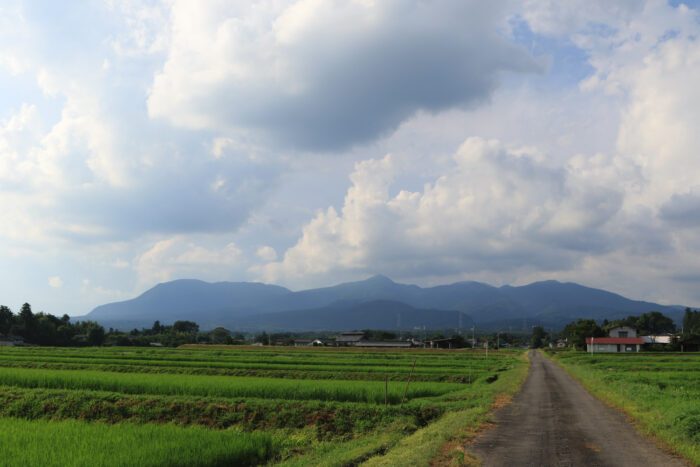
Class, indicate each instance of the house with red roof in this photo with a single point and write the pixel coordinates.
(622, 339)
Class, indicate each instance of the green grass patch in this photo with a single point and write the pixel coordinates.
(74, 443)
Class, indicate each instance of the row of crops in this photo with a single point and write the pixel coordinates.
(239, 405)
(660, 390)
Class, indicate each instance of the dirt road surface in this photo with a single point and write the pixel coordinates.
(554, 421)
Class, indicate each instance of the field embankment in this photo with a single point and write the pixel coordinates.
(660, 391)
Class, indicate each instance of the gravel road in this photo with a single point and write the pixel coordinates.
(553, 421)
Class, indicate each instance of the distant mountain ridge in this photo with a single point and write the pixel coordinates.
(377, 302)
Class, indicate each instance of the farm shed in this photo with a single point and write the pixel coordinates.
(613, 344)
(350, 338)
(448, 343)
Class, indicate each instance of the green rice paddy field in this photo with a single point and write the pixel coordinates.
(661, 391)
(245, 405)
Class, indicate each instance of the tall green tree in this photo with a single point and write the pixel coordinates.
(578, 332)
(691, 322)
(538, 336)
(188, 327)
(95, 334)
(654, 323)
(5, 319)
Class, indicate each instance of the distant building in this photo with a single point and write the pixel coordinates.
(663, 339)
(310, 342)
(613, 344)
(350, 338)
(448, 343)
(11, 341)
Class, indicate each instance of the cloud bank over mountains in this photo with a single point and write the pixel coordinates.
(312, 142)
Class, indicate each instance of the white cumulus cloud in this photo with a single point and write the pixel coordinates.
(56, 282)
(494, 209)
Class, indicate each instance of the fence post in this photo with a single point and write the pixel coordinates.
(386, 390)
(409, 381)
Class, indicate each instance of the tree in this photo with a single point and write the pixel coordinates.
(262, 338)
(5, 319)
(27, 322)
(578, 331)
(45, 329)
(26, 316)
(188, 327)
(221, 335)
(95, 334)
(691, 322)
(538, 335)
(654, 323)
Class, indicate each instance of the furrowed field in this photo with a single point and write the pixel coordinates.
(245, 405)
(660, 390)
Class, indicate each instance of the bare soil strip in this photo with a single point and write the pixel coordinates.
(554, 421)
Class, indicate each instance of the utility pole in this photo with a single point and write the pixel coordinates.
(473, 340)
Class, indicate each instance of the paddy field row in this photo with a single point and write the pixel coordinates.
(262, 405)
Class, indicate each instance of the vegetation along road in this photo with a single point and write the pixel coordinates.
(555, 421)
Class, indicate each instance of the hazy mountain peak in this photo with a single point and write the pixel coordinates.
(379, 279)
(227, 303)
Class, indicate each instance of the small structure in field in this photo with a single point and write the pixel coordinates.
(309, 342)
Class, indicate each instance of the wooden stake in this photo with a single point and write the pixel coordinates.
(408, 382)
(386, 390)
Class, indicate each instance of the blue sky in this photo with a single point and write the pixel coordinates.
(310, 142)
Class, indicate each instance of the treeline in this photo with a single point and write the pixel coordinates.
(179, 333)
(47, 329)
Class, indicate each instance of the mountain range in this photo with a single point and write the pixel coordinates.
(375, 303)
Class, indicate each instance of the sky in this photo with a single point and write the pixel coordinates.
(310, 142)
